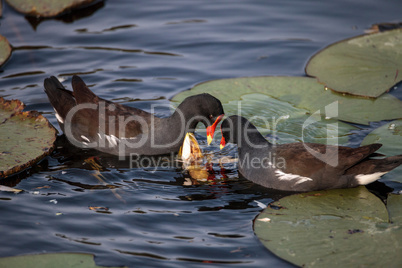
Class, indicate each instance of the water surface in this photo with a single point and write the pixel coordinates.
(142, 53)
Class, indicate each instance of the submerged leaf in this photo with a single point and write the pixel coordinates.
(190, 151)
(191, 154)
(367, 65)
(25, 137)
(335, 228)
(4, 188)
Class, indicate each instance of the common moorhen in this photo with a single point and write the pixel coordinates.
(92, 122)
(302, 166)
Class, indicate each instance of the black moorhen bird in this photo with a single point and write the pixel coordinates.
(302, 166)
(92, 122)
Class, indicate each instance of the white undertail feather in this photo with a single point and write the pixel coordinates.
(363, 179)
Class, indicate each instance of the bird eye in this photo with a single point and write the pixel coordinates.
(210, 116)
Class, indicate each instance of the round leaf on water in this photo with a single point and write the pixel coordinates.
(367, 65)
(390, 136)
(285, 123)
(304, 93)
(46, 8)
(335, 228)
(394, 205)
(50, 260)
(5, 50)
(25, 137)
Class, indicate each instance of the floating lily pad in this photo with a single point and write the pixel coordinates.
(390, 136)
(285, 123)
(50, 260)
(367, 65)
(5, 50)
(335, 228)
(304, 93)
(46, 8)
(25, 137)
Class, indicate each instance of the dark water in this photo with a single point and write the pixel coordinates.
(142, 53)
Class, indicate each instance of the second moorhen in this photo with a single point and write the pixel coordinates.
(302, 166)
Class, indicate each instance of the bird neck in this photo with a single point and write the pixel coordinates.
(185, 122)
(251, 140)
(172, 130)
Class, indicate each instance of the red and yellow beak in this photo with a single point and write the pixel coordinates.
(223, 143)
(211, 129)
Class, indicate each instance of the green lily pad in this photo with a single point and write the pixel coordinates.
(390, 136)
(50, 260)
(302, 92)
(285, 123)
(46, 8)
(5, 50)
(367, 65)
(335, 228)
(25, 137)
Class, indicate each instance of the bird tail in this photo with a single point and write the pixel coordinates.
(371, 170)
(60, 98)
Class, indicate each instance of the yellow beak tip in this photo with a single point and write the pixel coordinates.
(209, 140)
(221, 146)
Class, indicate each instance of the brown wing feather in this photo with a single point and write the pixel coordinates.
(113, 116)
(300, 161)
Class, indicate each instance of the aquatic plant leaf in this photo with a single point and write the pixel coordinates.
(334, 228)
(25, 137)
(394, 206)
(46, 8)
(4, 188)
(367, 65)
(390, 136)
(190, 151)
(301, 93)
(5, 50)
(50, 260)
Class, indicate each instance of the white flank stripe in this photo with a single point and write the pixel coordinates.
(261, 205)
(290, 177)
(112, 139)
(364, 179)
(85, 138)
(115, 140)
(58, 117)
